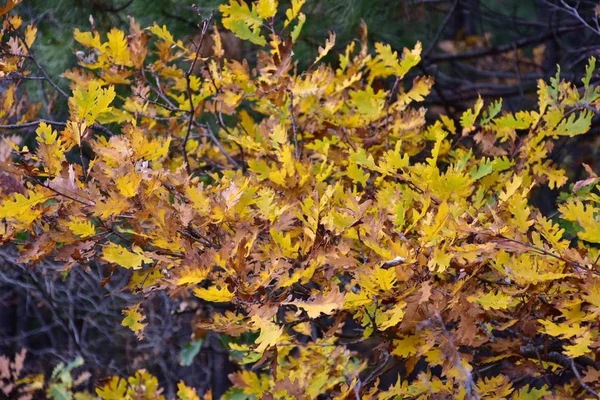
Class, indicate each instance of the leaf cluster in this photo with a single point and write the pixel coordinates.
(332, 232)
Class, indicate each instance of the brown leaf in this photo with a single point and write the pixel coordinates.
(591, 375)
(425, 292)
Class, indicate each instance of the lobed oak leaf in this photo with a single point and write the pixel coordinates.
(322, 304)
(88, 103)
(162, 33)
(440, 260)
(392, 317)
(51, 149)
(191, 276)
(576, 124)
(127, 259)
(134, 320)
(560, 330)
(116, 48)
(298, 28)
(112, 206)
(115, 389)
(81, 227)
(243, 22)
(357, 175)
(492, 301)
(88, 39)
(520, 210)
(407, 346)
(129, 185)
(270, 333)
(368, 103)
(266, 8)
(323, 51)
(386, 62)
(591, 375)
(467, 119)
(216, 294)
(511, 187)
(293, 12)
(420, 89)
(18, 207)
(581, 346)
(250, 382)
(185, 392)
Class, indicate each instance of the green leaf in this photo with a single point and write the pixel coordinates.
(243, 22)
(189, 351)
(576, 124)
(493, 110)
(486, 168)
(467, 119)
(589, 71)
(59, 391)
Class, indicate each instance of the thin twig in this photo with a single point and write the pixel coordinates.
(581, 382)
(216, 141)
(205, 24)
(503, 48)
(294, 126)
(470, 387)
(37, 64)
(35, 123)
(438, 34)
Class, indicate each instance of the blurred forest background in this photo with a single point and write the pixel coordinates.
(492, 48)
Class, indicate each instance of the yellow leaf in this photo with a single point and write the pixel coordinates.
(467, 120)
(192, 276)
(391, 318)
(323, 51)
(438, 223)
(134, 320)
(527, 393)
(407, 346)
(128, 259)
(30, 33)
(382, 279)
(581, 346)
(81, 227)
(215, 294)
(244, 23)
(90, 102)
(333, 301)
(113, 205)
(51, 149)
(517, 205)
(441, 259)
(368, 103)
(186, 393)
(87, 39)
(128, 185)
(356, 173)
(293, 12)
(115, 389)
(269, 333)
(386, 62)
(496, 387)
(560, 330)
(116, 48)
(298, 28)
(266, 8)
(18, 208)
(491, 301)
(585, 216)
